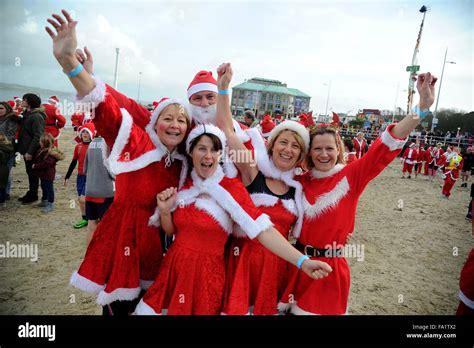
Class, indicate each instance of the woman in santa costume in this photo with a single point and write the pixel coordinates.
(409, 158)
(436, 154)
(452, 166)
(54, 119)
(466, 287)
(125, 253)
(331, 193)
(257, 277)
(349, 153)
(192, 276)
(360, 144)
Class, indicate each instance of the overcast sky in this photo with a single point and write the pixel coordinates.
(362, 47)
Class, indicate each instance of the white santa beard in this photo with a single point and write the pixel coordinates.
(203, 115)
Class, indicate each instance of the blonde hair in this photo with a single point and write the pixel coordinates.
(298, 138)
(314, 131)
(47, 140)
(181, 110)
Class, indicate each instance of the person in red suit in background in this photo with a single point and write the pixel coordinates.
(466, 287)
(409, 158)
(360, 145)
(453, 164)
(78, 119)
(349, 154)
(434, 160)
(54, 119)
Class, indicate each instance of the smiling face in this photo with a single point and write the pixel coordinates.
(324, 152)
(286, 150)
(205, 155)
(171, 126)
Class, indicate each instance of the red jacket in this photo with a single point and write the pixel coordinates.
(54, 120)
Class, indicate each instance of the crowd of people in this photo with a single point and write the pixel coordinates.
(190, 212)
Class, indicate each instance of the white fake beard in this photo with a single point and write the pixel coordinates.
(202, 115)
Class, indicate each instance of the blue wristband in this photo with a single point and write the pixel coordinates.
(223, 91)
(421, 113)
(300, 261)
(76, 71)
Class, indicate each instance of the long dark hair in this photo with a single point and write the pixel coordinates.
(216, 146)
(8, 107)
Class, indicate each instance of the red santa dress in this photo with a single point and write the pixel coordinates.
(256, 277)
(125, 252)
(466, 285)
(54, 121)
(192, 276)
(330, 202)
(359, 147)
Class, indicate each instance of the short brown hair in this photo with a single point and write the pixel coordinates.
(47, 140)
(314, 131)
(298, 138)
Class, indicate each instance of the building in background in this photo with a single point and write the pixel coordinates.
(261, 95)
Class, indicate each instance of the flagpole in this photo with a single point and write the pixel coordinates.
(414, 60)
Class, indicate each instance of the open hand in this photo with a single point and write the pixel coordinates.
(65, 41)
(224, 75)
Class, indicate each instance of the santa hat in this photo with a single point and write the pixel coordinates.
(88, 127)
(267, 125)
(53, 100)
(229, 167)
(296, 127)
(17, 98)
(11, 103)
(202, 81)
(165, 102)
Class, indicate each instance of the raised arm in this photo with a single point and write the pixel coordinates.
(165, 201)
(425, 85)
(64, 49)
(241, 156)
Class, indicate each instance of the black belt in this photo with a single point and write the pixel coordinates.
(317, 252)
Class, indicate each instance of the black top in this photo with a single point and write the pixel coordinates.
(259, 185)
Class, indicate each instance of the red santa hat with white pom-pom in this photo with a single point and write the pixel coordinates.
(202, 81)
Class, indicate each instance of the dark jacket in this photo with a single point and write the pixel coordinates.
(45, 163)
(6, 152)
(32, 127)
(9, 126)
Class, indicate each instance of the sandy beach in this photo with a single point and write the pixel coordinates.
(411, 261)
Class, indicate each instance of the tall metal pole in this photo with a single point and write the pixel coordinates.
(395, 106)
(435, 115)
(414, 60)
(117, 53)
(327, 100)
(139, 85)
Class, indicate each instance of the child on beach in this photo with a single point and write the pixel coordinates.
(44, 167)
(86, 133)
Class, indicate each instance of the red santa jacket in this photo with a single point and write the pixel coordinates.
(359, 147)
(54, 120)
(410, 156)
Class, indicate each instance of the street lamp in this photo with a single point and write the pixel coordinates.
(327, 100)
(435, 115)
(139, 85)
(117, 53)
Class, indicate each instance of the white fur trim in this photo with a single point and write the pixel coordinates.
(294, 126)
(328, 200)
(389, 140)
(266, 200)
(199, 87)
(215, 211)
(205, 129)
(466, 300)
(317, 174)
(241, 133)
(145, 284)
(120, 294)
(211, 186)
(263, 199)
(93, 99)
(85, 284)
(283, 307)
(144, 309)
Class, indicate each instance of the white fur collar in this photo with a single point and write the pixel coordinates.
(317, 174)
